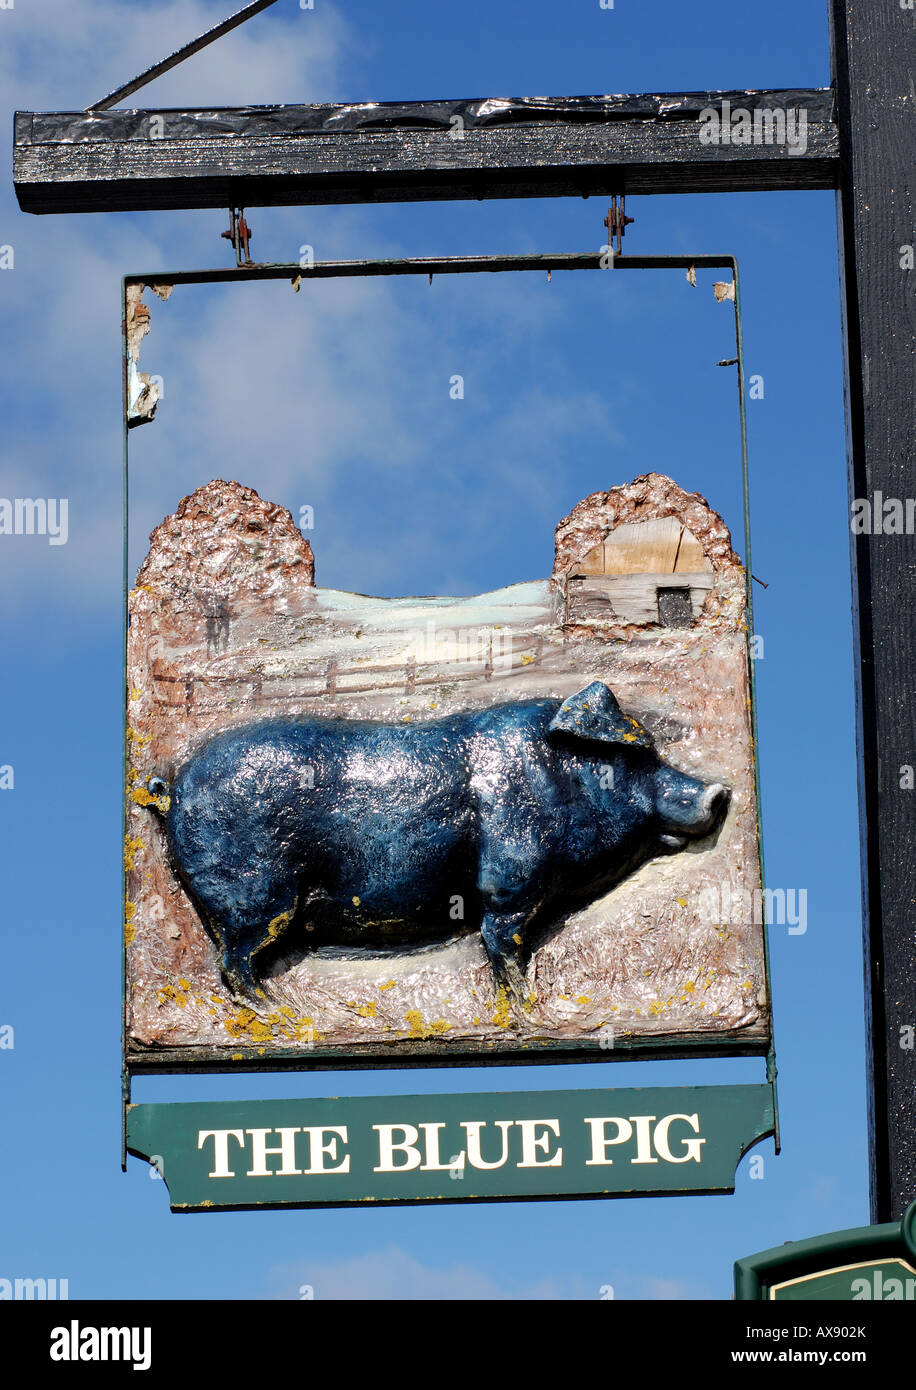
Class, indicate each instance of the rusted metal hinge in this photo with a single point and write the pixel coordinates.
(617, 220)
(239, 234)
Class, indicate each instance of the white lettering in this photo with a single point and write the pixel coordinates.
(643, 1139)
(433, 1163)
(692, 1147)
(600, 1140)
(286, 1150)
(388, 1147)
(220, 1139)
(319, 1149)
(473, 1128)
(531, 1141)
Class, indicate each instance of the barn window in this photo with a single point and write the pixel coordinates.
(674, 608)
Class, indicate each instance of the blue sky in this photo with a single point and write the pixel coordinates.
(338, 398)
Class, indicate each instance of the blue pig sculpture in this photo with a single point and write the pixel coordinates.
(352, 832)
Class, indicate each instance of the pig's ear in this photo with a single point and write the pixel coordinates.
(594, 714)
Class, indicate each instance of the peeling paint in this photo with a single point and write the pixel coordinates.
(143, 394)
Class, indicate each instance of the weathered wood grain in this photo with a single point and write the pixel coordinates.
(387, 152)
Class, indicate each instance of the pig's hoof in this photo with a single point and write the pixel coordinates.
(241, 984)
(515, 985)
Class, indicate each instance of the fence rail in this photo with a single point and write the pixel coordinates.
(185, 688)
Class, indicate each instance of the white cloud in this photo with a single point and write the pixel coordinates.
(309, 397)
(394, 1274)
(59, 56)
(61, 303)
(325, 397)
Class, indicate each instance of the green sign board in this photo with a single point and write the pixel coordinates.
(478, 1147)
(866, 1264)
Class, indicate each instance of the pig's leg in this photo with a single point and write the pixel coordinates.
(509, 856)
(241, 929)
(236, 970)
(503, 936)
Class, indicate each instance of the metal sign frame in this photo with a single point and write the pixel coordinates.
(429, 1052)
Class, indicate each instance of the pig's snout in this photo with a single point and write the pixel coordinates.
(689, 809)
(713, 805)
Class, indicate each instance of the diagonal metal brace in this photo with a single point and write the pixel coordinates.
(189, 49)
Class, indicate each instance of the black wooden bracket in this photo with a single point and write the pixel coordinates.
(376, 152)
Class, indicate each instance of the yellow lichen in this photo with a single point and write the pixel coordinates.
(130, 849)
(502, 1014)
(169, 992)
(144, 798)
(246, 1024)
(276, 924)
(419, 1029)
(415, 1019)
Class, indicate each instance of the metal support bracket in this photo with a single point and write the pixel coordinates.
(179, 56)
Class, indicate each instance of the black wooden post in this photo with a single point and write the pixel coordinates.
(873, 47)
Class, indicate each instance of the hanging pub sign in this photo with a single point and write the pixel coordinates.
(389, 829)
(866, 1264)
(464, 1147)
(515, 827)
